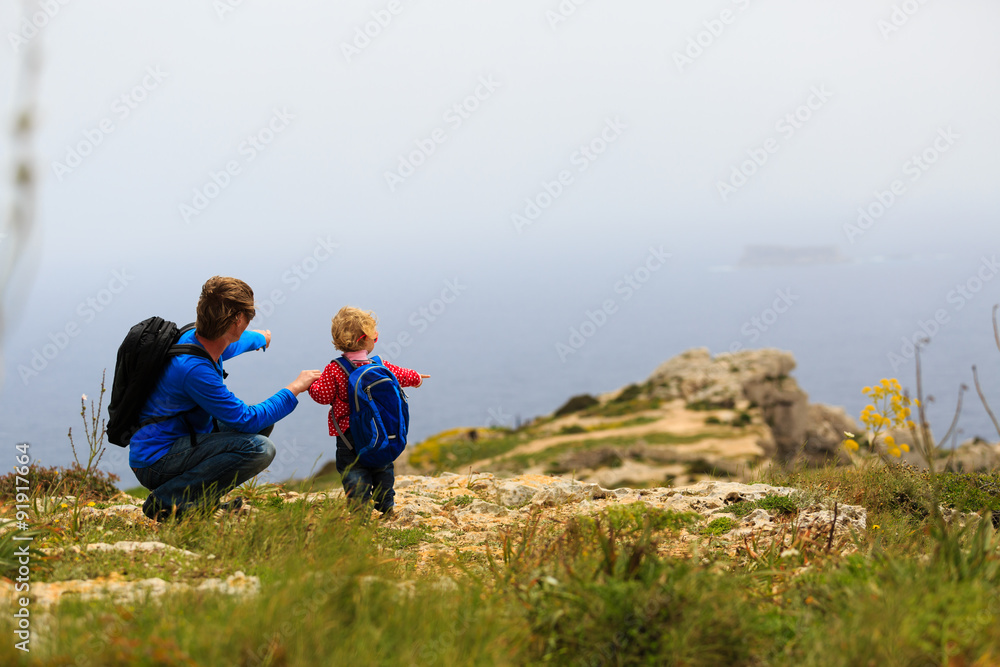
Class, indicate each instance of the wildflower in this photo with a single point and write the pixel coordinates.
(890, 442)
(83, 397)
(876, 527)
(64, 506)
(851, 445)
(848, 434)
(91, 503)
(905, 447)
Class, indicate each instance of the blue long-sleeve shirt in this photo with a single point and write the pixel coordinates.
(192, 388)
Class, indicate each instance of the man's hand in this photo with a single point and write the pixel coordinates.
(303, 381)
(267, 336)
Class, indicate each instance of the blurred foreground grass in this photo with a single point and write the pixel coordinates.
(588, 591)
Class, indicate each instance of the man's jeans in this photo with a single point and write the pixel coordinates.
(188, 476)
(361, 483)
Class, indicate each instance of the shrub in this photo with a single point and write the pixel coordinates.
(576, 404)
(719, 526)
(704, 406)
(742, 419)
(72, 481)
(629, 393)
(779, 504)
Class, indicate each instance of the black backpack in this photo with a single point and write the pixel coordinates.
(141, 358)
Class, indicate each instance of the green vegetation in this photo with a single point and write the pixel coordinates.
(742, 419)
(612, 587)
(576, 404)
(618, 584)
(69, 481)
(778, 504)
(553, 453)
(618, 408)
(703, 405)
(704, 467)
(454, 449)
(719, 526)
(629, 393)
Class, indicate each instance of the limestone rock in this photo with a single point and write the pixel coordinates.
(482, 507)
(514, 494)
(697, 377)
(809, 434)
(825, 430)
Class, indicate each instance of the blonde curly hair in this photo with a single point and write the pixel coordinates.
(350, 326)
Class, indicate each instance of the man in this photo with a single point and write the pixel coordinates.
(203, 441)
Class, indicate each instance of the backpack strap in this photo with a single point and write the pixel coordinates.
(348, 367)
(177, 350)
(345, 364)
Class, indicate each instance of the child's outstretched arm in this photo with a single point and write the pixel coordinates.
(406, 376)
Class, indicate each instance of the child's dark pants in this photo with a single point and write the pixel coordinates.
(361, 484)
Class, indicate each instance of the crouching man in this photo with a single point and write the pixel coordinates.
(200, 441)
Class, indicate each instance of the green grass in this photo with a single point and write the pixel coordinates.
(621, 408)
(551, 454)
(719, 526)
(439, 453)
(637, 516)
(140, 492)
(401, 538)
(779, 504)
(615, 587)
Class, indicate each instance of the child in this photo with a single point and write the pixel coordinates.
(355, 335)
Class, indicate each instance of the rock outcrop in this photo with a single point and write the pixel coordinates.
(759, 379)
(463, 510)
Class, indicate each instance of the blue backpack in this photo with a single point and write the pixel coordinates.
(380, 415)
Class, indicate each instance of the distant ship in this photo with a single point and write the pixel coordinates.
(776, 255)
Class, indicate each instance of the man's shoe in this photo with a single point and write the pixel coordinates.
(155, 510)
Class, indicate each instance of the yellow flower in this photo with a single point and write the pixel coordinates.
(876, 527)
(866, 390)
(905, 447)
(890, 441)
(91, 503)
(885, 383)
(64, 505)
(851, 445)
(895, 452)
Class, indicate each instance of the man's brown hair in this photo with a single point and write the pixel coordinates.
(221, 302)
(350, 326)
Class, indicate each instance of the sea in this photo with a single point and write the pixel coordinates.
(506, 343)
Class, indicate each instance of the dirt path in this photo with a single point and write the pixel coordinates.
(676, 420)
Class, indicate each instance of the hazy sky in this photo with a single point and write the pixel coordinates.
(546, 144)
(348, 112)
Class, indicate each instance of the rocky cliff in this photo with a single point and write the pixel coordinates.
(695, 417)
